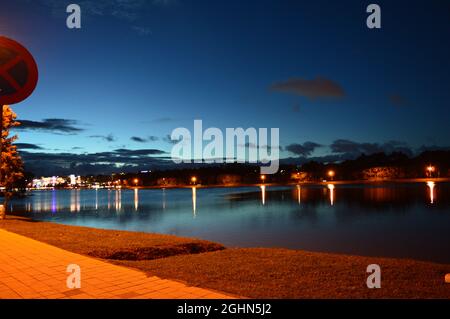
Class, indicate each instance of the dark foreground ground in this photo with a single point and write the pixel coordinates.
(250, 272)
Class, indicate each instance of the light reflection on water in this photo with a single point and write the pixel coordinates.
(431, 187)
(331, 188)
(263, 195)
(194, 201)
(136, 199)
(401, 220)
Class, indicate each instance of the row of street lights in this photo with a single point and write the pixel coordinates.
(331, 174)
(193, 180)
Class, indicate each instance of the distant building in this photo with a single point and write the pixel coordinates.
(55, 181)
(45, 182)
(75, 180)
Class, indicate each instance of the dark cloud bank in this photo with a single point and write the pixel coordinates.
(126, 160)
(119, 160)
(342, 149)
(64, 126)
(312, 89)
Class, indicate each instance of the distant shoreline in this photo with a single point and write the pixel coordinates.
(308, 183)
(312, 183)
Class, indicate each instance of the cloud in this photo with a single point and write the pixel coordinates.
(333, 158)
(107, 138)
(305, 149)
(169, 140)
(342, 150)
(27, 146)
(119, 160)
(143, 139)
(425, 148)
(143, 152)
(347, 146)
(312, 89)
(50, 125)
(352, 148)
(138, 139)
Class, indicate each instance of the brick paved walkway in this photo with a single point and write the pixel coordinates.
(31, 269)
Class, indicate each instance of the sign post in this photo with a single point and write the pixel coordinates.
(18, 79)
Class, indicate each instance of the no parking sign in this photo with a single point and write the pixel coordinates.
(18, 72)
(18, 77)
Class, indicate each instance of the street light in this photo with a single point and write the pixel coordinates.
(136, 181)
(194, 179)
(430, 170)
(263, 178)
(331, 174)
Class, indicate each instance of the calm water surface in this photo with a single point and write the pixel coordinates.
(398, 220)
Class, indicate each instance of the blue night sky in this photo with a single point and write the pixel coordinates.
(142, 68)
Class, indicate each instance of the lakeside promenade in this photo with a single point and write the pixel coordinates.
(35, 270)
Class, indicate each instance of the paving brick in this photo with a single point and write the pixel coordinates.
(31, 269)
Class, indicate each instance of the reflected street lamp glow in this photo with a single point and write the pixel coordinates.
(431, 187)
(164, 198)
(75, 200)
(54, 203)
(331, 188)
(194, 201)
(118, 200)
(96, 199)
(136, 199)
(263, 194)
(299, 194)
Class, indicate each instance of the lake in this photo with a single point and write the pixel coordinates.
(395, 220)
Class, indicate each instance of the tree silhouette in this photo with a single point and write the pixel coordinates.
(11, 165)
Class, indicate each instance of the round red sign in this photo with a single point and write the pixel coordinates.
(18, 72)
